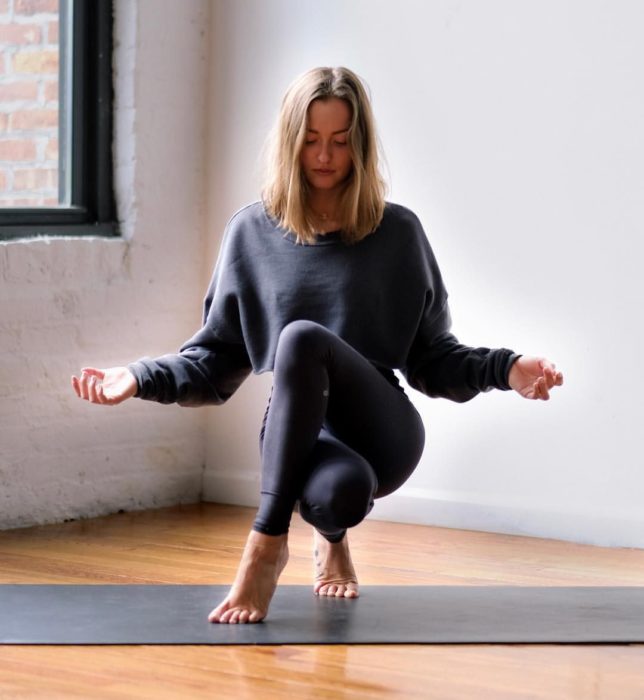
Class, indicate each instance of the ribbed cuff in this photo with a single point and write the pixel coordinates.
(511, 358)
(139, 371)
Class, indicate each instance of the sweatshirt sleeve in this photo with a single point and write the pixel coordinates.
(437, 364)
(441, 367)
(210, 366)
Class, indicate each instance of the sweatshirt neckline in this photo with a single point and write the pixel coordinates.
(329, 238)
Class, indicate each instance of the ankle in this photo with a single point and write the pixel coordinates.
(334, 537)
(268, 543)
(266, 546)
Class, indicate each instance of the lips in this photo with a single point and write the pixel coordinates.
(323, 172)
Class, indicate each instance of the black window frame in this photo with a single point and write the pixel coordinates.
(92, 209)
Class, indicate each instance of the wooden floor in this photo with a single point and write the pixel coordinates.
(202, 543)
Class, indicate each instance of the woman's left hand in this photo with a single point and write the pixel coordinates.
(533, 377)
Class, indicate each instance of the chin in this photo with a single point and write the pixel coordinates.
(320, 183)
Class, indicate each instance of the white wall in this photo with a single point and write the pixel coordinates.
(514, 130)
(67, 303)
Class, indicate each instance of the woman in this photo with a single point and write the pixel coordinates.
(331, 288)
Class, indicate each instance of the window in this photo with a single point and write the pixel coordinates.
(56, 118)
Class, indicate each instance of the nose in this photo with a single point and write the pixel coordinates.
(324, 154)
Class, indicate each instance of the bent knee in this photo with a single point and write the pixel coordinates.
(339, 508)
(302, 339)
(333, 515)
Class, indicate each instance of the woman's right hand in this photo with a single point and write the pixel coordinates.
(105, 386)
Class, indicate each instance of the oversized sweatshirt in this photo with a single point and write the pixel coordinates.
(383, 295)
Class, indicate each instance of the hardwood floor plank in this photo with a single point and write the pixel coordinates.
(202, 544)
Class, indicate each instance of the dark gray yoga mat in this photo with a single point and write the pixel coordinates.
(177, 614)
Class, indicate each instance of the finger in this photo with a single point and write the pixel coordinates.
(100, 394)
(84, 389)
(549, 376)
(544, 395)
(536, 390)
(91, 389)
(95, 391)
(545, 364)
(99, 373)
(75, 386)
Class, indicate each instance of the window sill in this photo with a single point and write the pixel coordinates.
(27, 232)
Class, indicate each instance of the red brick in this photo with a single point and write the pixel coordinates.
(35, 179)
(4, 122)
(51, 91)
(52, 32)
(19, 91)
(32, 7)
(35, 62)
(3, 181)
(34, 119)
(17, 149)
(19, 202)
(51, 150)
(19, 34)
(4, 6)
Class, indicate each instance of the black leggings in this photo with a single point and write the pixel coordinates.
(336, 435)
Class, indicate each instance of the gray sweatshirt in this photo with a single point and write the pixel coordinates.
(383, 295)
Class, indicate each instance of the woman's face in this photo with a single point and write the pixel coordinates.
(325, 156)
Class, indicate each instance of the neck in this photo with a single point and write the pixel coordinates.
(324, 203)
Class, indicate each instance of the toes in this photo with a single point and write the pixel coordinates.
(342, 590)
(216, 613)
(349, 590)
(352, 591)
(255, 616)
(234, 616)
(227, 615)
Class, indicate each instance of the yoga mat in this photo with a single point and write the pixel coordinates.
(177, 614)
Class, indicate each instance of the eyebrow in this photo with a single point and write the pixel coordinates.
(341, 131)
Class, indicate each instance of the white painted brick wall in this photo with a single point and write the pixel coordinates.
(66, 303)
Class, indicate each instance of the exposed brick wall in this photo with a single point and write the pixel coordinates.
(29, 59)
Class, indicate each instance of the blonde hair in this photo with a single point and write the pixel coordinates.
(285, 192)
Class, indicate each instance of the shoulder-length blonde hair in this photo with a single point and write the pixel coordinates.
(285, 192)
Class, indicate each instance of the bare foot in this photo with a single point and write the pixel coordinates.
(334, 572)
(262, 562)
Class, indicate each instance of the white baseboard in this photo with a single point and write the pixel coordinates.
(457, 510)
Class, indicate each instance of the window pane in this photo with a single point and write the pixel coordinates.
(33, 131)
